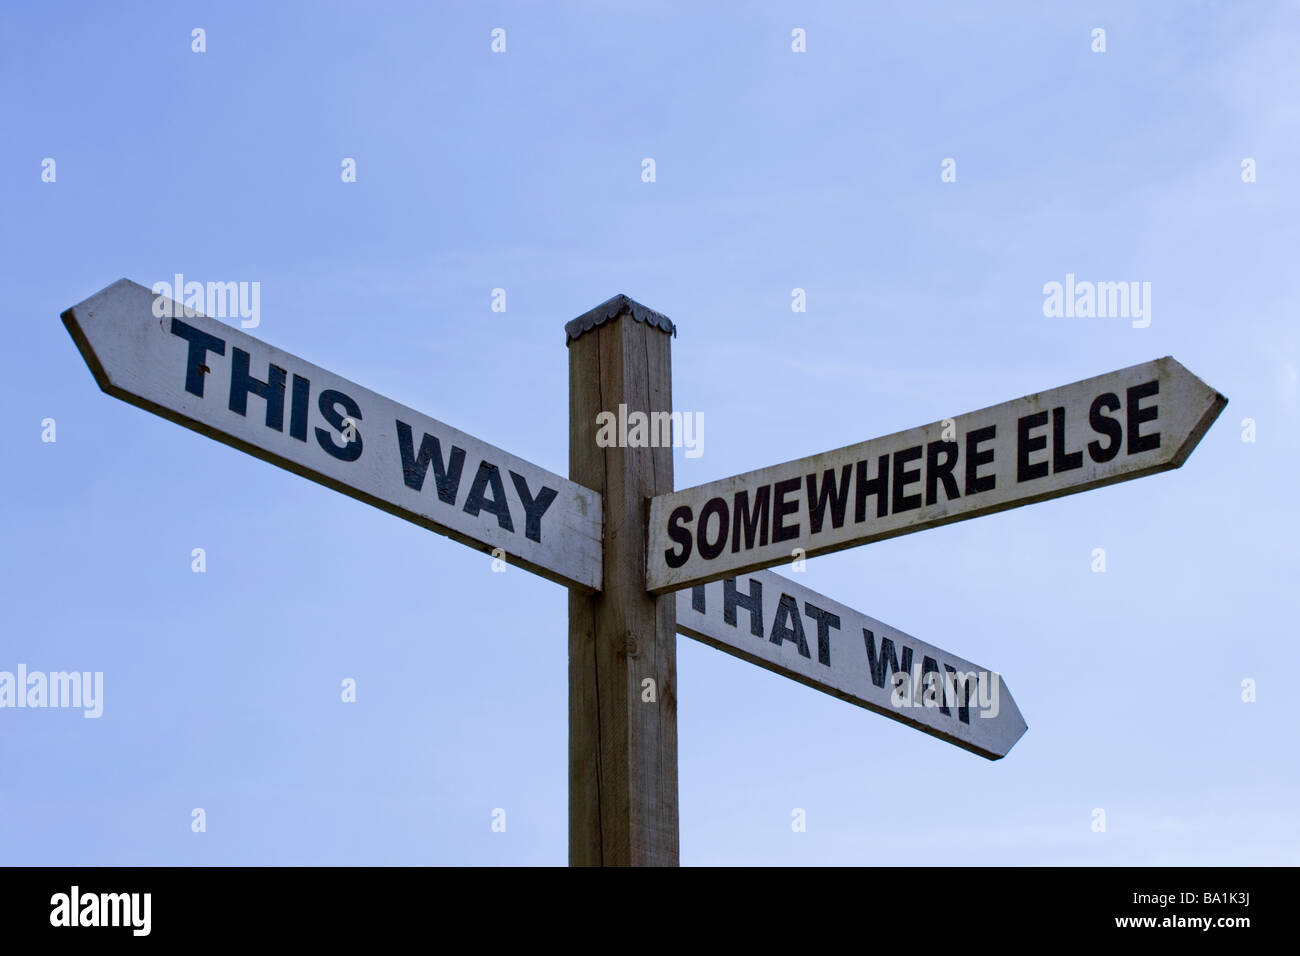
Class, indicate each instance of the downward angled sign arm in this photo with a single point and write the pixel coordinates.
(1103, 430)
(223, 383)
(791, 630)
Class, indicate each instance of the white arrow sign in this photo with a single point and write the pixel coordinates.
(1099, 431)
(787, 628)
(205, 375)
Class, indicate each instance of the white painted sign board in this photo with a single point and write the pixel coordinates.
(220, 381)
(1102, 430)
(792, 630)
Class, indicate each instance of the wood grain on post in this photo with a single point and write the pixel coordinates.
(622, 729)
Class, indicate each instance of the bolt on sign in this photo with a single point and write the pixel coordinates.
(225, 384)
(792, 630)
(1125, 424)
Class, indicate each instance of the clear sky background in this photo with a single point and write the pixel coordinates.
(522, 171)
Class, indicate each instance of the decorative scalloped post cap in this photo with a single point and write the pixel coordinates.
(611, 309)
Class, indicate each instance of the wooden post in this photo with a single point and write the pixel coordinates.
(622, 641)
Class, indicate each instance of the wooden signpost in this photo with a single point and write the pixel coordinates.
(622, 730)
(622, 540)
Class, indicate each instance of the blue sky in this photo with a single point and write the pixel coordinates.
(522, 171)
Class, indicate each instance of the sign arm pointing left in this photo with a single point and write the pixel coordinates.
(217, 380)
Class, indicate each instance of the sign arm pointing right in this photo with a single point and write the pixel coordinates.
(791, 630)
(1125, 424)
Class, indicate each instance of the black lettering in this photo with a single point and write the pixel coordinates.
(732, 598)
(881, 664)
(903, 478)
(272, 390)
(782, 508)
(534, 508)
(488, 474)
(709, 551)
(675, 559)
(1026, 445)
(349, 450)
(1061, 459)
(788, 625)
(878, 486)
(930, 666)
(825, 621)
(201, 343)
(751, 523)
(974, 458)
(935, 472)
(1136, 416)
(445, 477)
(963, 708)
(837, 497)
(1105, 425)
(301, 392)
(697, 598)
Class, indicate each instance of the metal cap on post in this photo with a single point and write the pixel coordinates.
(622, 640)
